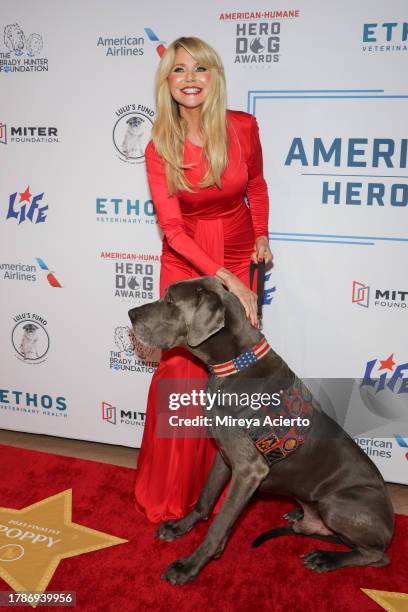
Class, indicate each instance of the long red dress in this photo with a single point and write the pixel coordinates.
(203, 231)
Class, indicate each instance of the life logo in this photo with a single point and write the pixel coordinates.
(384, 389)
(403, 444)
(23, 52)
(385, 37)
(24, 206)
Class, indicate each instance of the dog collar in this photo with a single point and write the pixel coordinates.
(241, 362)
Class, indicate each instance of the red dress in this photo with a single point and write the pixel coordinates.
(203, 231)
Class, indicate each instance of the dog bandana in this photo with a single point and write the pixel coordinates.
(274, 442)
(242, 361)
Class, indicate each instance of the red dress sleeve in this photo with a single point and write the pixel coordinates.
(170, 218)
(257, 190)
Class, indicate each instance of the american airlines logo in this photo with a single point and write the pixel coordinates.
(383, 298)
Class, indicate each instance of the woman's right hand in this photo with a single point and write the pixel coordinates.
(248, 298)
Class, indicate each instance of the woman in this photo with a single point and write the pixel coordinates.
(201, 162)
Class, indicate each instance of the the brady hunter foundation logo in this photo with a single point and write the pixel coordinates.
(24, 206)
(30, 338)
(136, 275)
(121, 46)
(111, 414)
(389, 36)
(130, 355)
(28, 272)
(27, 133)
(402, 443)
(257, 36)
(24, 53)
(125, 210)
(383, 298)
(27, 402)
(131, 132)
(384, 388)
(323, 156)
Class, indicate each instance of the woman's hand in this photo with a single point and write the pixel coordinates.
(262, 252)
(247, 297)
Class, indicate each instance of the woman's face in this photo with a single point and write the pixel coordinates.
(189, 82)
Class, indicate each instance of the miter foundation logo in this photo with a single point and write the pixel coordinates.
(131, 132)
(26, 402)
(384, 388)
(125, 210)
(121, 46)
(111, 414)
(386, 37)
(22, 53)
(380, 298)
(136, 276)
(24, 206)
(30, 338)
(24, 134)
(130, 355)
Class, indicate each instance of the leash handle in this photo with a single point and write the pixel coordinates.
(260, 284)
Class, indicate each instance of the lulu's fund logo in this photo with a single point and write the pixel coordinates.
(25, 206)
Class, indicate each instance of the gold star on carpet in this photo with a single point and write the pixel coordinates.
(33, 541)
(393, 602)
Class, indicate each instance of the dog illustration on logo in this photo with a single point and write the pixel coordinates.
(132, 145)
(14, 38)
(28, 346)
(34, 45)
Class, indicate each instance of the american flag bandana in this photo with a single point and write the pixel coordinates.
(242, 361)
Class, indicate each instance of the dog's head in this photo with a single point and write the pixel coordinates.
(135, 124)
(30, 329)
(189, 313)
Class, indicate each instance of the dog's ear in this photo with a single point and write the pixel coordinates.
(208, 317)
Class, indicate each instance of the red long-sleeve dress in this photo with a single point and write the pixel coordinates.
(203, 231)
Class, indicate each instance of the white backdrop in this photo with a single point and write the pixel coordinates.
(79, 239)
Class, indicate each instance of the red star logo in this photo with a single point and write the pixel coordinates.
(25, 196)
(387, 364)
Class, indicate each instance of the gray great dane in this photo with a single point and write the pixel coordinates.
(341, 494)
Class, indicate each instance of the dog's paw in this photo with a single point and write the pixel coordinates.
(179, 572)
(170, 530)
(294, 515)
(321, 560)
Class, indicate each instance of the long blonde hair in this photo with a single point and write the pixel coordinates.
(169, 129)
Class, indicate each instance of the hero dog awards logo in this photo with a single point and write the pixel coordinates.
(30, 338)
(136, 275)
(23, 51)
(258, 36)
(131, 132)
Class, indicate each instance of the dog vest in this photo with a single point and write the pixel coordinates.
(274, 442)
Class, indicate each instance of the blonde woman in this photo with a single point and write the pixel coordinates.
(201, 163)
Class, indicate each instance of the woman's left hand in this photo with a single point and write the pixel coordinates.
(262, 252)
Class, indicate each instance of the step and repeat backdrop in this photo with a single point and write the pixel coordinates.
(80, 243)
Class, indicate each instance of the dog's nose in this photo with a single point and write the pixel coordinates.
(132, 314)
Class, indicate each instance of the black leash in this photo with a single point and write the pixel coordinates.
(260, 284)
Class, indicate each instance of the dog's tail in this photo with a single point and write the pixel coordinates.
(283, 531)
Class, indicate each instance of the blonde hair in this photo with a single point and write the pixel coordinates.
(169, 129)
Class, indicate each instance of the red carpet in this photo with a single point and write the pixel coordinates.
(127, 576)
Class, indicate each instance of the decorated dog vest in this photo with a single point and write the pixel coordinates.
(278, 441)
